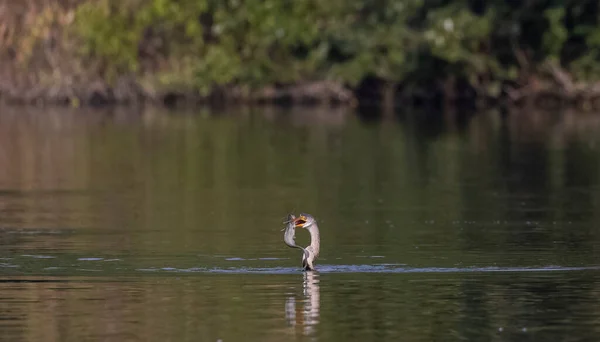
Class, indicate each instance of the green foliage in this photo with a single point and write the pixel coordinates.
(218, 66)
(378, 41)
(556, 35)
(259, 42)
(455, 34)
(105, 33)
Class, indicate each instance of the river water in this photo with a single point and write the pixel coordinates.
(153, 225)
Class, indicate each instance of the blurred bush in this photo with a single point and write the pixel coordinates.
(486, 46)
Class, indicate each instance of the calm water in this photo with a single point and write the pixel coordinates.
(158, 226)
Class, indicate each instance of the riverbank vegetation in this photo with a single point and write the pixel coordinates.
(368, 51)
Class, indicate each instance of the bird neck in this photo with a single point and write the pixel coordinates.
(315, 242)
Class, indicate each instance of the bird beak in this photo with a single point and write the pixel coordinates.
(300, 221)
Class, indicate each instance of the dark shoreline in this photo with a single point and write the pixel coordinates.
(308, 94)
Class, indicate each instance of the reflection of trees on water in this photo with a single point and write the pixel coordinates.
(561, 307)
(308, 318)
(488, 172)
(527, 196)
(529, 182)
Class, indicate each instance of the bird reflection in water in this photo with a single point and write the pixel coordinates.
(306, 314)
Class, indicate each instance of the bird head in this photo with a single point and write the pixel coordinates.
(304, 221)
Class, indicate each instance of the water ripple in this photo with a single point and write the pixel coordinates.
(380, 268)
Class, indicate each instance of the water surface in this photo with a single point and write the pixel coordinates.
(166, 226)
